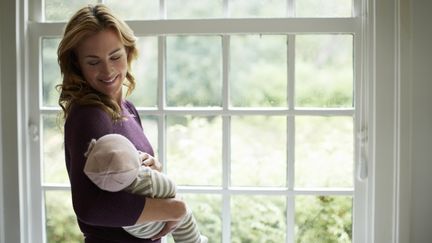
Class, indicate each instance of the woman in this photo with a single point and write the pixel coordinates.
(95, 56)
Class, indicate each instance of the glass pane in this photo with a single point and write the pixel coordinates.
(150, 127)
(258, 73)
(324, 152)
(323, 219)
(327, 8)
(50, 72)
(324, 71)
(194, 150)
(145, 71)
(53, 160)
(258, 148)
(195, 9)
(62, 10)
(207, 212)
(258, 219)
(194, 76)
(257, 8)
(135, 9)
(61, 223)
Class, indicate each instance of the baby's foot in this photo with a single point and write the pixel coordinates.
(203, 239)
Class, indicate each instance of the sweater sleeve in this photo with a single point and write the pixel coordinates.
(92, 205)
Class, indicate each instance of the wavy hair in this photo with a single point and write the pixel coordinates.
(74, 88)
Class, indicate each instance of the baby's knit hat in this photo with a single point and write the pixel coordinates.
(112, 162)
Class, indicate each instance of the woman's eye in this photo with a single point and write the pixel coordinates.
(115, 57)
(93, 63)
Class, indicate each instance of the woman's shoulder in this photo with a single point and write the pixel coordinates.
(86, 111)
(132, 110)
(88, 115)
(129, 105)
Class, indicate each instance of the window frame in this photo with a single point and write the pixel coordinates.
(375, 183)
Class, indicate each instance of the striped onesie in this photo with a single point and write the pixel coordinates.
(153, 184)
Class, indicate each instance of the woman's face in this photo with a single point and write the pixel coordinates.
(103, 61)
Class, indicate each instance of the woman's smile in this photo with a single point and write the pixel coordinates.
(109, 80)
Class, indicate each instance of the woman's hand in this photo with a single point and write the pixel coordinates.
(150, 161)
(168, 228)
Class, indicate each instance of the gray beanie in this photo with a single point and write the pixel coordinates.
(112, 162)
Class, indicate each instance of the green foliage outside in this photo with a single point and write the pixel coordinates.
(258, 78)
(61, 225)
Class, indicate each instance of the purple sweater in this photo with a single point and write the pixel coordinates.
(101, 214)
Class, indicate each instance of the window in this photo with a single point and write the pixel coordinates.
(253, 106)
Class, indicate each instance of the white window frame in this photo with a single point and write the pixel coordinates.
(217, 27)
(383, 112)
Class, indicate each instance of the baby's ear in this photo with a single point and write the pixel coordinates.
(90, 147)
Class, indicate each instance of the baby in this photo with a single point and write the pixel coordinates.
(113, 164)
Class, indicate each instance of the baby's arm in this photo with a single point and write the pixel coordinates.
(153, 184)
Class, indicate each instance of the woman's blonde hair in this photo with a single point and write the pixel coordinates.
(88, 21)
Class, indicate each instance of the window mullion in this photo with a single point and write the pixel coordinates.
(243, 26)
(226, 173)
(290, 8)
(226, 12)
(290, 138)
(162, 9)
(161, 101)
(226, 143)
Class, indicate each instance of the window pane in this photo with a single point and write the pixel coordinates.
(323, 219)
(50, 72)
(145, 71)
(258, 73)
(258, 219)
(194, 150)
(324, 152)
(195, 9)
(150, 127)
(257, 8)
(207, 212)
(135, 9)
(193, 74)
(60, 219)
(258, 148)
(62, 10)
(53, 160)
(327, 8)
(324, 71)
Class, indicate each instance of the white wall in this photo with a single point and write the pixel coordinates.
(9, 123)
(421, 210)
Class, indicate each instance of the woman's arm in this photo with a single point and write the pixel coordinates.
(172, 209)
(93, 205)
(169, 210)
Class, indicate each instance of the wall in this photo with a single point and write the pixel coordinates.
(9, 123)
(421, 204)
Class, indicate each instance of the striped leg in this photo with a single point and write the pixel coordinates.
(187, 231)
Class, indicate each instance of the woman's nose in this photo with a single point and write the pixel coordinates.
(106, 68)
